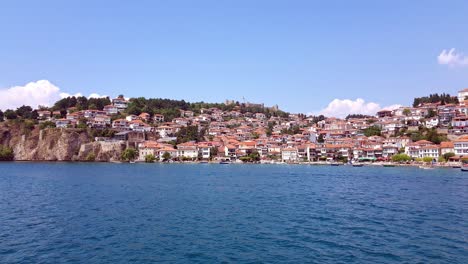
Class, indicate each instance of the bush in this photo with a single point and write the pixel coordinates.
(401, 158)
(448, 155)
(91, 157)
(166, 156)
(150, 158)
(46, 124)
(129, 154)
(6, 153)
(28, 125)
(81, 126)
(427, 159)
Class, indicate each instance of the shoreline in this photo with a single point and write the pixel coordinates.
(380, 164)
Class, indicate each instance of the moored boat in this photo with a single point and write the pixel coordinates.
(426, 167)
(358, 165)
(464, 165)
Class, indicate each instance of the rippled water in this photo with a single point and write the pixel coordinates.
(139, 213)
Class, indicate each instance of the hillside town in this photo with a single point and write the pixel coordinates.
(430, 131)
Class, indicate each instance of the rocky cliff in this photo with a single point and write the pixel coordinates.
(56, 144)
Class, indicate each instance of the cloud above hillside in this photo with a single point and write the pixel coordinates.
(452, 58)
(343, 107)
(37, 93)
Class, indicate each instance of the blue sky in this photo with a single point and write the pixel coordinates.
(300, 55)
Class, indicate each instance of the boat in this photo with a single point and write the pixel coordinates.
(203, 162)
(335, 164)
(358, 165)
(464, 166)
(224, 162)
(132, 162)
(389, 165)
(426, 167)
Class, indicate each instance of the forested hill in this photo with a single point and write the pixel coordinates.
(435, 98)
(167, 107)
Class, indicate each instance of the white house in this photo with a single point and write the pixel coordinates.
(120, 103)
(289, 154)
(462, 95)
(111, 110)
(460, 146)
(422, 149)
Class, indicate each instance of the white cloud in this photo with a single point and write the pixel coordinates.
(34, 93)
(343, 107)
(95, 95)
(452, 58)
(37, 93)
(65, 95)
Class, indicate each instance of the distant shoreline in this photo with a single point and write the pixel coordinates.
(389, 164)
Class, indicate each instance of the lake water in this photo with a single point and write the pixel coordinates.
(203, 213)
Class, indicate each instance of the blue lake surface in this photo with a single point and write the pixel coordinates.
(205, 213)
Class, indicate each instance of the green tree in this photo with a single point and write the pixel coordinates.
(166, 156)
(10, 114)
(406, 112)
(431, 113)
(401, 158)
(1, 116)
(190, 133)
(129, 154)
(6, 153)
(254, 156)
(372, 131)
(26, 112)
(213, 152)
(448, 155)
(150, 158)
(428, 159)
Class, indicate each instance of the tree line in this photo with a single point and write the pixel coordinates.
(435, 98)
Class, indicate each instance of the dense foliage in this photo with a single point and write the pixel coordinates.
(429, 134)
(171, 108)
(448, 155)
(81, 103)
(150, 158)
(10, 114)
(6, 153)
(129, 154)
(372, 131)
(166, 156)
(291, 131)
(427, 159)
(190, 133)
(46, 124)
(252, 157)
(316, 119)
(435, 98)
(401, 158)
